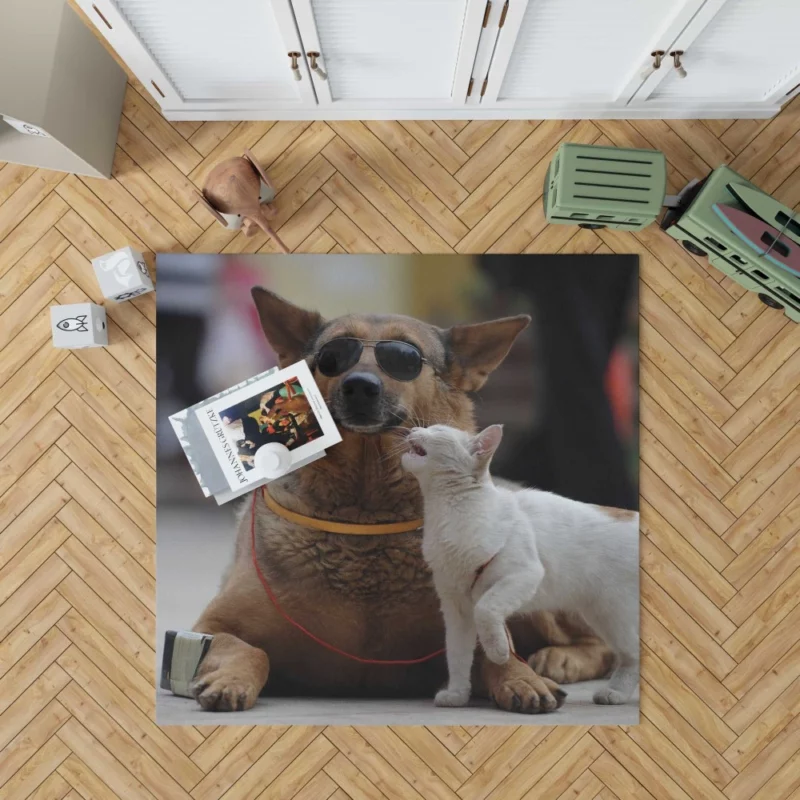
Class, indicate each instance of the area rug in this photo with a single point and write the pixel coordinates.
(321, 569)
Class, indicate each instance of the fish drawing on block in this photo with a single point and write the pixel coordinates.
(763, 238)
(77, 324)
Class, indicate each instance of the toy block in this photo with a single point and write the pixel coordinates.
(122, 274)
(79, 325)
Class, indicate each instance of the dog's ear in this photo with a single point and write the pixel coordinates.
(288, 328)
(474, 351)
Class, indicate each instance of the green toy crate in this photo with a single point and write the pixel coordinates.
(605, 187)
(695, 224)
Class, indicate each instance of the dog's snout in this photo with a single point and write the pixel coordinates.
(362, 390)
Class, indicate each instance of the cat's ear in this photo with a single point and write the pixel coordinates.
(487, 441)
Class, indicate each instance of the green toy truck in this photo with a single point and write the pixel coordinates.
(605, 187)
(701, 231)
(610, 187)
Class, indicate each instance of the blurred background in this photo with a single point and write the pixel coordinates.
(567, 393)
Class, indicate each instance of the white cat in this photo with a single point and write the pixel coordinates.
(495, 552)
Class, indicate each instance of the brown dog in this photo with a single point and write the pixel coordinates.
(368, 595)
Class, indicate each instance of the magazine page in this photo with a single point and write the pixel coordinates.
(284, 408)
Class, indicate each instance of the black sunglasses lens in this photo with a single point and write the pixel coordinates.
(338, 355)
(399, 360)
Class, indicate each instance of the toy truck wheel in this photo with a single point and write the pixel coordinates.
(770, 301)
(592, 226)
(693, 248)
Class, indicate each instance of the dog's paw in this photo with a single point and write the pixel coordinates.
(608, 697)
(451, 697)
(223, 690)
(560, 664)
(528, 694)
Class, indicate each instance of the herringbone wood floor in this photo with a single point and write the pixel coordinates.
(720, 466)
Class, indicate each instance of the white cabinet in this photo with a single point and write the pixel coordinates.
(207, 54)
(398, 53)
(579, 53)
(736, 51)
(339, 59)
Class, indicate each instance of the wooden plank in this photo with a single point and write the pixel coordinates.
(684, 556)
(384, 198)
(152, 197)
(163, 172)
(437, 143)
(419, 161)
(452, 127)
(12, 176)
(704, 142)
(30, 267)
(318, 241)
(476, 133)
(159, 132)
(401, 179)
(684, 412)
(209, 134)
(537, 148)
(31, 302)
(497, 208)
(297, 155)
(355, 207)
(346, 233)
(25, 199)
(126, 642)
(30, 230)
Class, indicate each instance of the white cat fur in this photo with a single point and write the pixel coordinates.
(545, 552)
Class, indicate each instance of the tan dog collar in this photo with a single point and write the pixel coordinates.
(330, 526)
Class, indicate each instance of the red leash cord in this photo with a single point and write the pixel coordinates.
(321, 642)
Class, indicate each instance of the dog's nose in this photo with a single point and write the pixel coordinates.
(362, 390)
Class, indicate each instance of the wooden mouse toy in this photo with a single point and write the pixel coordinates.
(233, 188)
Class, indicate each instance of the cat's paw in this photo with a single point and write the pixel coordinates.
(608, 697)
(451, 697)
(494, 642)
(497, 650)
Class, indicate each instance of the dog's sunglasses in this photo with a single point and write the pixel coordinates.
(399, 360)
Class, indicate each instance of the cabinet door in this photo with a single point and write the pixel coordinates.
(744, 51)
(579, 53)
(208, 54)
(390, 53)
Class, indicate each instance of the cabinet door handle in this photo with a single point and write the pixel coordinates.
(313, 56)
(294, 65)
(658, 56)
(676, 60)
